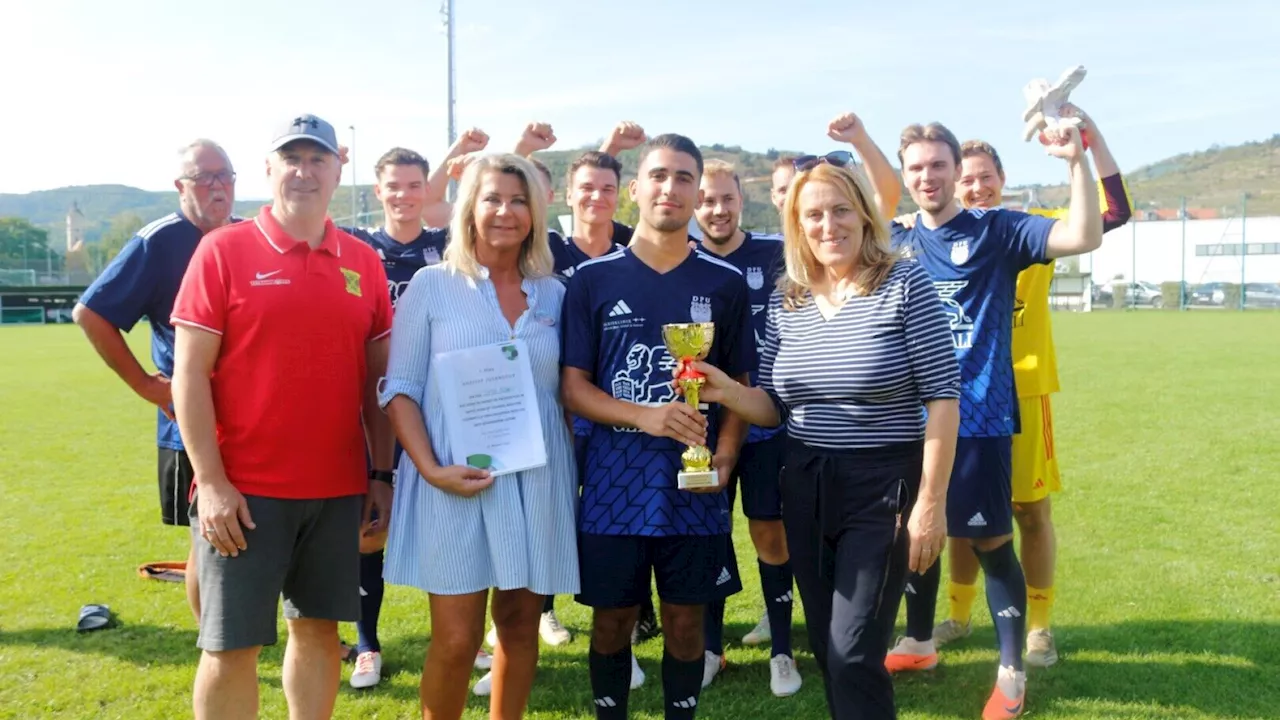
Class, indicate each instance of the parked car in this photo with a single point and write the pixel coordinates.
(1262, 295)
(1139, 293)
(1214, 293)
(1101, 295)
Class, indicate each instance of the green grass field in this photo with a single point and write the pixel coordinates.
(1169, 570)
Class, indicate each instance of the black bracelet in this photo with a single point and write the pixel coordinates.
(385, 476)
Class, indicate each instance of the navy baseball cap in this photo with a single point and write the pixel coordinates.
(306, 127)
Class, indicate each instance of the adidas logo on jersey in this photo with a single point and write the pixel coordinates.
(977, 520)
(620, 308)
(724, 576)
(689, 704)
(606, 702)
(1010, 612)
(784, 599)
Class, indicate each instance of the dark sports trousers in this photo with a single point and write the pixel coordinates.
(175, 476)
(845, 513)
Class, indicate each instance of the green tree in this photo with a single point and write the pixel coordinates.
(23, 245)
(628, 213)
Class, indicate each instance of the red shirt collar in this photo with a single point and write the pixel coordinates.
(282, 242)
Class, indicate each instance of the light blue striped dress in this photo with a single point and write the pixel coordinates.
(520, 532)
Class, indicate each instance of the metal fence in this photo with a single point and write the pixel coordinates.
(1185, 263)
(1196, 260)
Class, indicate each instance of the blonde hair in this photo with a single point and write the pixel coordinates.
(535, 253)
(716, 167)
(874, 260)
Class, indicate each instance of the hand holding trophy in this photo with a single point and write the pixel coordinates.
(688, 342)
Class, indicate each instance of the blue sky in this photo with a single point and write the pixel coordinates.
(106, 91)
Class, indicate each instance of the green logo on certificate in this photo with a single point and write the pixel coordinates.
(510, 351)
(481, 461)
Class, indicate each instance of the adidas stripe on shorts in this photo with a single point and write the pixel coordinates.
(980, 497)
(687, 569)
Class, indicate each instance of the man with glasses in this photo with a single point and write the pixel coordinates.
(142, 281)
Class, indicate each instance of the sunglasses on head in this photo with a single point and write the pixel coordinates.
(839, 158)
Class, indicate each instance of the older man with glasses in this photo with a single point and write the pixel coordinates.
(142, 281)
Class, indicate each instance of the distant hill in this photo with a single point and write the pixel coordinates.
(754, 168)
(99, 203)
(1212, 179)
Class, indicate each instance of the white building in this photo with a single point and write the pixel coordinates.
(1213, 251)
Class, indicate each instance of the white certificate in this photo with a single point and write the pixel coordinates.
(490, 408)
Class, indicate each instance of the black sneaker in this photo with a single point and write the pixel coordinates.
(647, 626)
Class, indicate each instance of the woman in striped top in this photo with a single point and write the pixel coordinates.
(456, 532)
(857, 347)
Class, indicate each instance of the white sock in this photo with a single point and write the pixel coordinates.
(911, 646)
(1011, 682)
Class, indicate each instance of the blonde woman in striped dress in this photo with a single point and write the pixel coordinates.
(457, 532)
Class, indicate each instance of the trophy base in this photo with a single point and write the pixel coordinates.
(696, 479)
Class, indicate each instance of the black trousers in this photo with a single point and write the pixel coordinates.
(845, 514)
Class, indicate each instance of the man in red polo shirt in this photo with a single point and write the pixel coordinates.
(281, 338)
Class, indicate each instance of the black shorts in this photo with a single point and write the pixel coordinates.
(306, 550)
(175, 476)
(980, 496)
(689, 569)
(759, 469)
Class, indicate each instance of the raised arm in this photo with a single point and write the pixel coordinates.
(1081, 232)
(625, 136)
(536, 136)
(1119, 208)
(888, 188)
(435, 209)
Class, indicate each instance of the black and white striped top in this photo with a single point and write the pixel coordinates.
(861, 378)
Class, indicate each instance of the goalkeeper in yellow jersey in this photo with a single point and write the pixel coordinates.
(1035, 465)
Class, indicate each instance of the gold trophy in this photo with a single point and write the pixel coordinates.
(689, 342)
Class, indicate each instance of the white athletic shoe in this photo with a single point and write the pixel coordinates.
(1041, 650)
(949, 631)
(552, 632)
(484, 660)
(784, 678)
(713, 664)
(637, 675)
(760, 634)
(368, 670)
(491, 638)
(484, 685)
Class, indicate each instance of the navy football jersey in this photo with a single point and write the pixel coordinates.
(568, 256)
(974, 261)
(142, 281)
(402, 260)
(759, 259)
(614, 310)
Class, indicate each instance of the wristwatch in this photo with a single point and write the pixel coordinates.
(386, 476)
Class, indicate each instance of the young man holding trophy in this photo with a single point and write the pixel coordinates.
(655, 465)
